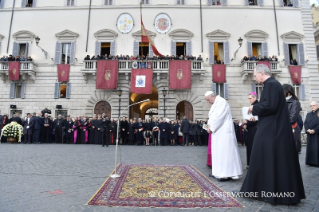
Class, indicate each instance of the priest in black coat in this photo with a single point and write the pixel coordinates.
(312, 130)
(124, 130)
(163, 126)
(274, 165)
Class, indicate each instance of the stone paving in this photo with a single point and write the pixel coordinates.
(63, 177)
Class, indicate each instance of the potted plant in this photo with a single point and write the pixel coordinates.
(13, 132)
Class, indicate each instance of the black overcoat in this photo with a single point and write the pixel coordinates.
(312, 123)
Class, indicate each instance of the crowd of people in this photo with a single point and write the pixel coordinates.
(259, 58)
(18, 58)
(143, 57)
(103, 130)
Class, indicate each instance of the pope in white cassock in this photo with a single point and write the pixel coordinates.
(226, 163)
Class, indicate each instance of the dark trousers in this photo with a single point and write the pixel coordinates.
(198, 140)
(46, 134)
(164, 141)
(185, 138)
(105, 138)
(155, 139)
(28, 138)
(37, 134)
(58, 135)
(139, 137)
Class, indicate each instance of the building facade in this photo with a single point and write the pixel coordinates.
(71, 29)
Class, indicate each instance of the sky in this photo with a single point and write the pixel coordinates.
(313, 1)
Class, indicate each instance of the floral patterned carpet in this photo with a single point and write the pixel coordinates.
(160, 186)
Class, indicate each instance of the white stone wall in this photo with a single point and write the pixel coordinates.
(51, 17)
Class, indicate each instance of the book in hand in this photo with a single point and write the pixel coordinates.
(205, 127)
(247, 116)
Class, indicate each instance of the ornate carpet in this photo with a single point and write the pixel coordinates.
(170, 186)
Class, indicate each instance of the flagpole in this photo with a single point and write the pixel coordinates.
(141, 26)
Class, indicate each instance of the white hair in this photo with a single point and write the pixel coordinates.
(209, 93)
(314, 102)
(263, 68)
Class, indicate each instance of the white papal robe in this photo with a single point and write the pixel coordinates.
(226, 160)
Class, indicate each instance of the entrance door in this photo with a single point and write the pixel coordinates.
(102, 107)
(184, 108)
(180, 49)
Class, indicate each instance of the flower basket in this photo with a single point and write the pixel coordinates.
(11, 139)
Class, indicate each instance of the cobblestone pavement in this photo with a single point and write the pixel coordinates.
(63, 177)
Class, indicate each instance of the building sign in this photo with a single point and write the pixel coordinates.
(125, 23)
(162, 23)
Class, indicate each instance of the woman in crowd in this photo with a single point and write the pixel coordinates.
(172, 135)
(4, 123)
(294, 110)
(180, 134)
(312, 129)
(148, 134)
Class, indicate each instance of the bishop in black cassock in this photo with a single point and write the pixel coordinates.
(274, 165)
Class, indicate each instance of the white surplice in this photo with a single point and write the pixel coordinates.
(226, 160)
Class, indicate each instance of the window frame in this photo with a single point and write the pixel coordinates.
(103, 2)
(259, 87)
(57, 112)
(66, 51)
(176, 2)
(66, 3)
(220, 89)
(149, 2)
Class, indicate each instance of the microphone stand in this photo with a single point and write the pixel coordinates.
(115, 175)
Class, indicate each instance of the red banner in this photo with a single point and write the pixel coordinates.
(219, 73)
(63, 72)
(295, 74)
(14, 70)
(267, 63)
(180, 74)
(141, 81)
(107, 74)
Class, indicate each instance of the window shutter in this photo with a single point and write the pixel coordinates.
(260, 2)
(296, 3)
(253, 87)
(33, 3)
(58, 50)
(15, 49)
(226, 53)
(72, 2)
(110, 2)
(247, 2)
(12, 90)
(183, 2)
(317, 47)
(250, 48)
(209, 2)
(1, 4)
(301, 54)
(57, 90)
(72, 56)
(211, 53)
(23, 90)
(173, 48)
(286, 53)
(150, 50)
(136, 50)
(68, 90)
(302, 92)
(178, 1)
(23, 3)
(188, 48)
(97, 48)
(226, 91)
(26, 53)
(214, 88)
(264, 49)
(282, 3)
(224, 2)
(112, 51)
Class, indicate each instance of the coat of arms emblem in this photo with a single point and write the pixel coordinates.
(296, 75)
(218, 73)
(107, 75)
(14, 71)
(179, 74)
(62, 73)
(140, 81)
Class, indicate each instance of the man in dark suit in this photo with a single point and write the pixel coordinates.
(176, 131)
(38, 124)
(47, 124)
(69, 133)
(57, 127)
(124, 130)
(163, 126)
(197, 133)
(185, 129)
(28, 129)
(105, 129)
(16, 118)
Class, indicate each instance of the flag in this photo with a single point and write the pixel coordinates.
(219, 73)
(267, 63)
(63, 72)
(141, 81)
(107, 74)
(295, 74)
(145, 38)
(179, 74)
(14, 70)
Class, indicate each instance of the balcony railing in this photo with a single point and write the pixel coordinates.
(248, 67)
(156, 65)
(26, 68)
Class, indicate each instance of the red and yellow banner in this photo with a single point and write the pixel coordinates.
(145, 38)
(63, 72)
(295, 74)
(141, 81)
(179, 74)
(107, 74)
(219, 73)
(14, 70)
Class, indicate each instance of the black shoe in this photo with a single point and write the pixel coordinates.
(224, 179)
(103, 145)
(210, 175)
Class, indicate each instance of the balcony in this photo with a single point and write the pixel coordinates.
(249, 66)
(125, 67)
(27, 68)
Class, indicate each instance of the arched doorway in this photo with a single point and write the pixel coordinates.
(102, 107)
(140, 110)
(184, 108)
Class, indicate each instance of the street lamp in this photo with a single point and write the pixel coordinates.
(240, 42)
(119, 92)
(37, 39)
(164, 94)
